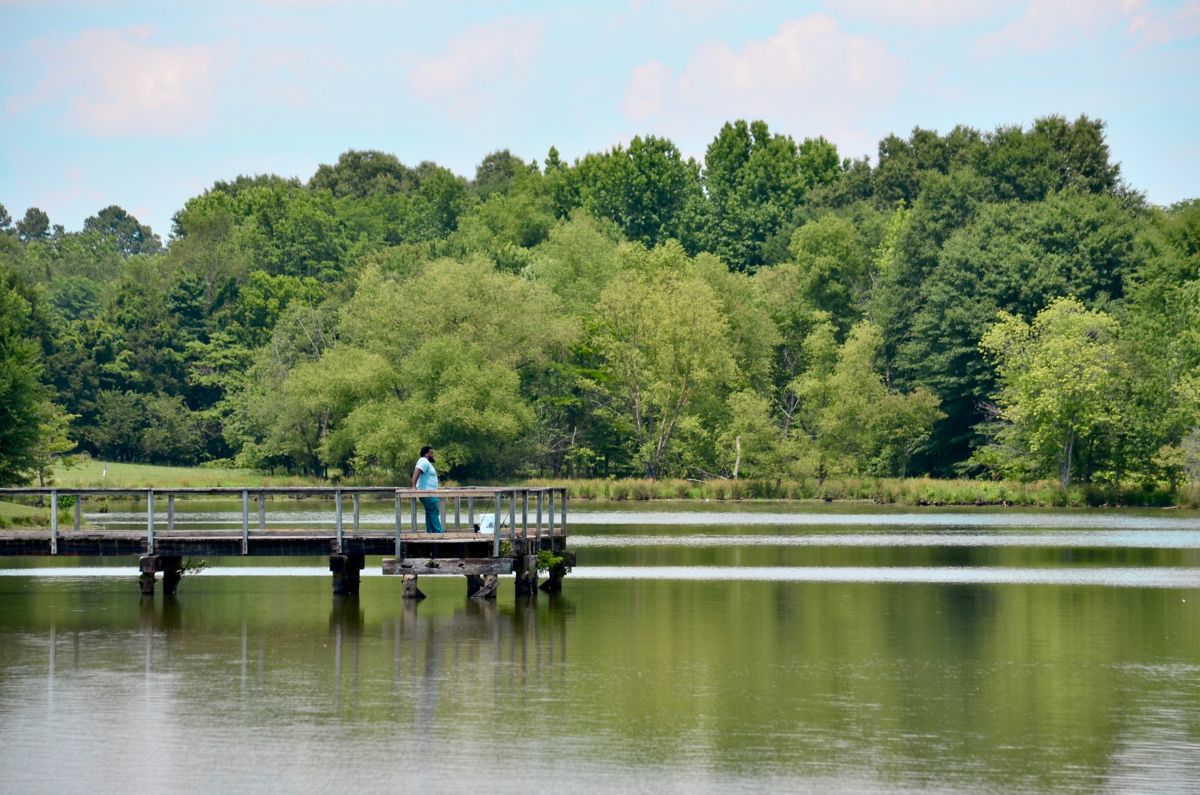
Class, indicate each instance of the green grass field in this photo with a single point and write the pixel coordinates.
(17, 515)
(11, 510)
(100, 474)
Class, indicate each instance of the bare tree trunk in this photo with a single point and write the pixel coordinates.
(1064, 475)
(737, 461)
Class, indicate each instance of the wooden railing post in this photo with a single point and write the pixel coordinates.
(525, 512)
(262, 510)
(512, 517)
(399, 543)
(496, 529)
(540, 495)
(563, 523)
(78, 510)
(245, 522)
(149, 521)
(356, 511)
(53, 521)
(551, 515)
(170, 512)
(337, 510)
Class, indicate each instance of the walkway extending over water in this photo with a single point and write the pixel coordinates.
(526, 521)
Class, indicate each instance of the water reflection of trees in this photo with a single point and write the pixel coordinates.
(1007, 680)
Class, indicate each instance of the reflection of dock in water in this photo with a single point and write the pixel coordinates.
(523, 529)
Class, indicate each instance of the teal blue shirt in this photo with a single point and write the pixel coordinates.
(428, 478)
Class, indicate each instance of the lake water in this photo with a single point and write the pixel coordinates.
(706, 648)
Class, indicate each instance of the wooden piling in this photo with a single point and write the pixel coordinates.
(170, 565)
(172, 569)
(525, 568)
(411, 591)
(346, 571)
(482, 586)
(147, 565)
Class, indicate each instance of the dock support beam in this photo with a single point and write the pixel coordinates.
(482, 586)
(411, 591)
(525, 569)
(346, 573)
(553, 583)
(170, 565)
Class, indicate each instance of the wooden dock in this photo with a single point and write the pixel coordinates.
(526, 520)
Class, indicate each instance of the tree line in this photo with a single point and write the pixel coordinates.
(988, 304)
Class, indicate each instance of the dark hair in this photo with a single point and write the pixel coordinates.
(425, 449)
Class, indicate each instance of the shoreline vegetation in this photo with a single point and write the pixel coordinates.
(915, 491)
(1000, 309)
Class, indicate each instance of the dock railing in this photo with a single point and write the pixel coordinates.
(542, 511)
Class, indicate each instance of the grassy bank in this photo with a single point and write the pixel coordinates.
(100, 475)
(883, 491)
(18, 515)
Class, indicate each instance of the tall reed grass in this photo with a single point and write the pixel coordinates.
(883, 491)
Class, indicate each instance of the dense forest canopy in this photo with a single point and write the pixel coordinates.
(983, 303)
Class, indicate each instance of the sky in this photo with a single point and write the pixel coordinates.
(146, 104)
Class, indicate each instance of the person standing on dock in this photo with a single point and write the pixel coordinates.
(425, 478)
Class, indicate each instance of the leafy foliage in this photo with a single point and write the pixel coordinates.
(993, 302)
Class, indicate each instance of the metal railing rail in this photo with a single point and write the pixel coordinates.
(504, 501)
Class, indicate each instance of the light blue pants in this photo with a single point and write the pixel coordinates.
(433, 515)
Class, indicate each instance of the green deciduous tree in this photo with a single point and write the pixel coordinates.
(131, 236)
(648, 189)
(1060, 380)
(662, 339)
(753, 445)
(362, 173)
(34, 226)
(577, 260)
(1014, 258)
(496, 172)
(754, 180)
(54, 443)
(452, 397)
(22, 396)
(856, 421)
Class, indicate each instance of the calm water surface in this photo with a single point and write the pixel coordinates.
(814, 652)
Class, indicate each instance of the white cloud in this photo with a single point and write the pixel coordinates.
(1159, 26)
(646, 88)
(118, 82)
(923, 13)
(1048, 24)
(810, 78)
(479, 66)
(1053, 24)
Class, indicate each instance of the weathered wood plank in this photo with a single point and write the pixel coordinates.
(448, 566)
(30, 543)
(100, 543)
(482, 586)
(289, 491)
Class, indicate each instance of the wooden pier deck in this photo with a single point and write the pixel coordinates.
(527, 521)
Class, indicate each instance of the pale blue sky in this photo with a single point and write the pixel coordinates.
(145, 104)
